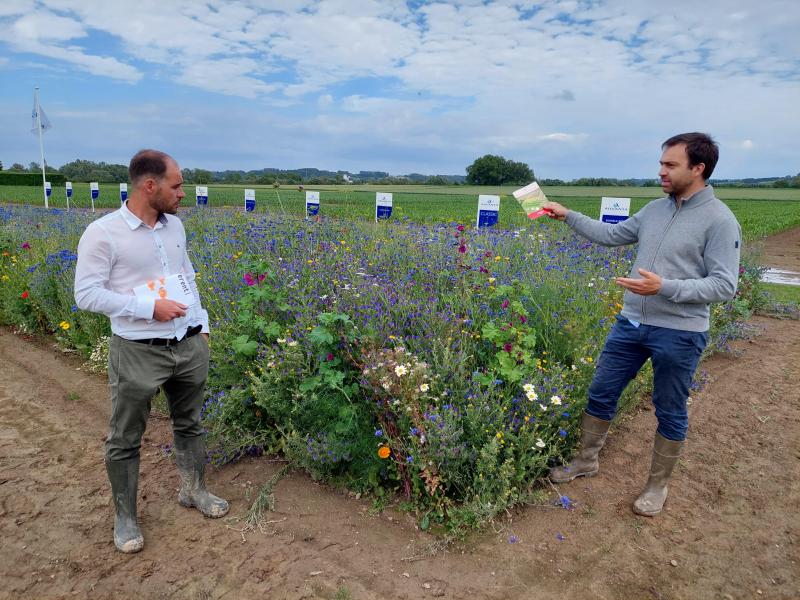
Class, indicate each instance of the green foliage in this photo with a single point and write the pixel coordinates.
(30, 179)
(440, 362)
(496, 170)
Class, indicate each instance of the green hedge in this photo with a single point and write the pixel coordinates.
(9, 178)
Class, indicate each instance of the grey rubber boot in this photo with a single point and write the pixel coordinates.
(190, 458)
(665, 456)
(124, 478)
(585, 464)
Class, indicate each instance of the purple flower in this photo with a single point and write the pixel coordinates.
(26, 246)
(512, 539)
(248, 279)
(560, 537)
(379, 433)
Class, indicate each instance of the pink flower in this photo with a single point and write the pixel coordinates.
(462, 248)
(507, 346)
(461, 228)
(26, 246)
(262, 277)
(523, 319)
(248, 279)
(504, 304)
(329, 357)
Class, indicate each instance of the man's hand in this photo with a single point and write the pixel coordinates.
(555, 210)
(648, 286)
(166, 310)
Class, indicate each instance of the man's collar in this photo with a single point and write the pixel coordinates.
(132, 221)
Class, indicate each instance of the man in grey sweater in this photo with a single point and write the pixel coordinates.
(688, 257)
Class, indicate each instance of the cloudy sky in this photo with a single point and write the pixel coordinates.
(572, 88)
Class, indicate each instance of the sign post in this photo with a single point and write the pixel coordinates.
(123, 192)
(201, 193)
(614, 210)
(94, 188)
(488, 210)
(383, 206)
(249, 200)
(312, 204)
(68, 190)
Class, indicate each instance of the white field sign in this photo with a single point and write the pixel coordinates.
(614, 210)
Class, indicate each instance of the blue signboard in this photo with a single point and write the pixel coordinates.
(488, 210)
(614, 210)
(312, 204)
(201, 193)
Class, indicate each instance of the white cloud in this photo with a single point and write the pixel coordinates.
(549, 82)
(746, 145)
(563, 137)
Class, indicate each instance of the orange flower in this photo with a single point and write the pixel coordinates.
(384, 452)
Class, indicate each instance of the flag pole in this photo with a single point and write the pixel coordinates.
(41, 142)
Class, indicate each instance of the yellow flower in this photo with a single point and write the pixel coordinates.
(64, 325)
(384, 452)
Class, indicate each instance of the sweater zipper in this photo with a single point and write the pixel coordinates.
(655, 254)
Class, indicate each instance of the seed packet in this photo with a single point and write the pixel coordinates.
(172, 287)
(531, 198)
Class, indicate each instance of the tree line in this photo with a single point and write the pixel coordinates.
(489, 169)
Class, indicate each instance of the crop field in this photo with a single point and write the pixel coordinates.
(760, 211)
(416, 355)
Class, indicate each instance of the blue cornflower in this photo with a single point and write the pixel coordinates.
(565, 502)
(379, 433)
(409, 459)
(562, 432)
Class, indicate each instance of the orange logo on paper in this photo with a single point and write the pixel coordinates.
(162, 292)
(151, 285)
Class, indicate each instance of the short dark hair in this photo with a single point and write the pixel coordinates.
(700, 148)
(148, 162)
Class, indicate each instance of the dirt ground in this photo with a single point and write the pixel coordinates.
(783, 250)
(730, 529)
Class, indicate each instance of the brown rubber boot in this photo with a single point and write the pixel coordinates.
(665, 456)
(585, 464)
(190, 458)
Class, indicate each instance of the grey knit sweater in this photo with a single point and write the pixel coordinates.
(695, 249)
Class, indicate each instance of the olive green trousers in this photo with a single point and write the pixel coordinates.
(135, 373)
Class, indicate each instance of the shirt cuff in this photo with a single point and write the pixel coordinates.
(145, 307)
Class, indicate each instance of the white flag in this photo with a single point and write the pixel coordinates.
(38, 112)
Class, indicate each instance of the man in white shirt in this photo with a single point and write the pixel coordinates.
(156, 342)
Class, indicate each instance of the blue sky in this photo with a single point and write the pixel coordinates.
(572, 88)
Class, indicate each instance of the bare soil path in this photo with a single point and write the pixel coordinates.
(731, 528)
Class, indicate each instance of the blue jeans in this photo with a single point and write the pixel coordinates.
(674, 354)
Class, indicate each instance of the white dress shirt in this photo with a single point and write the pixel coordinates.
(117, 253)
